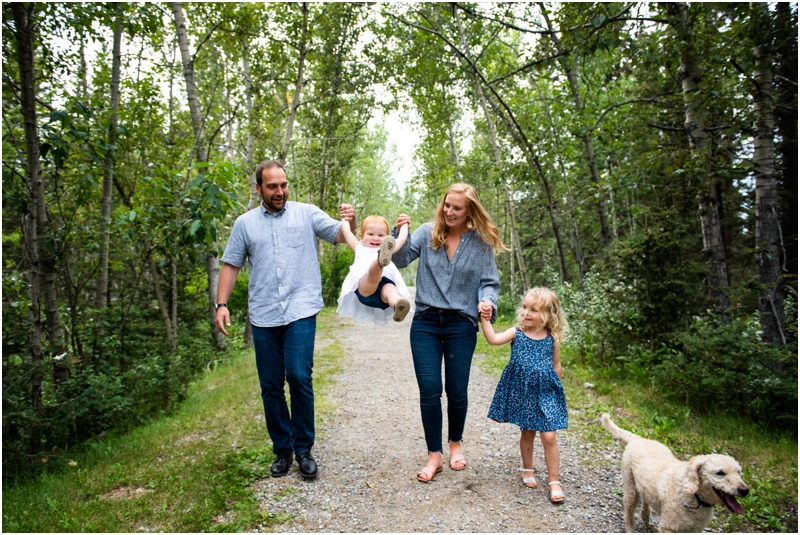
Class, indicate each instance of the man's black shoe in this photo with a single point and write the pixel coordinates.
(280, 467)
(308, 466)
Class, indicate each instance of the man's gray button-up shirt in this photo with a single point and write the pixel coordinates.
(281, 248)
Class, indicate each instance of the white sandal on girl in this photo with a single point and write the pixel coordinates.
(529, 482)
(556, 495)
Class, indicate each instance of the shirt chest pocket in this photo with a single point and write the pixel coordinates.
(292, 237)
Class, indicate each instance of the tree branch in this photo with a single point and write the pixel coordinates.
(206, 38)
(526, 67)
(741, 70)
(13, 85)
(667, 128)
(475, 15)
(633, 101)
(220, 127)
(614, 18)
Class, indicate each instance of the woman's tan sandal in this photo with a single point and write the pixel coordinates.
(385, 251)
(423, 472)
(556, 495)
(401, 308)
(529, 481)
(458, 462)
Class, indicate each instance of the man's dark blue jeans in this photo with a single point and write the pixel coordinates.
(287, 353)
(439, 334)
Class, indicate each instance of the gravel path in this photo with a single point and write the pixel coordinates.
(370, 450)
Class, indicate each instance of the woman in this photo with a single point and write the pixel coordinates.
(456, 274)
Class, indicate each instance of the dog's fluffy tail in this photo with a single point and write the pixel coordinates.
(611, 427)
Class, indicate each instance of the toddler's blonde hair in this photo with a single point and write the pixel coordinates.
(374, 221)
(553, 317)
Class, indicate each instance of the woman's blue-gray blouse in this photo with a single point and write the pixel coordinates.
(457, 284)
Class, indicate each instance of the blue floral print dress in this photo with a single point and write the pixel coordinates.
(530, 393)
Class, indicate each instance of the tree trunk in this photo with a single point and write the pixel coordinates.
(212, 261)
(451, 138)
(35, 214)
(709, 202)
(162, 303)
(173, 317)
(570, 199)
(101, 289)
(255, 198)
(512, 283)
(173, 263)
(298, 88)
(569, 62)
(212, 268)
(454, 152)
(55, 334)
(786, 122)
(768, 254)
(523, 272)
(82, 69)
(191, 87)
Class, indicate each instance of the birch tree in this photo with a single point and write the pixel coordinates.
(509, 205)
(768, 253)
(201, 156)
(682, 22)
(568, 60)
(24, 32)
(101, 289)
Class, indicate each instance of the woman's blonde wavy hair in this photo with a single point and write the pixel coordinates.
(479, 220)
(553, 317)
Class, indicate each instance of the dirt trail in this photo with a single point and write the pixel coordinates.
(371, 449)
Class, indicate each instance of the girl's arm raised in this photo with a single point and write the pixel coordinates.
(494, 338)
(402, 236)
(349, 237)
(557, 360)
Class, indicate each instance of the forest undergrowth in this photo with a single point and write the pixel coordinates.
(768, 457)
(192, 471)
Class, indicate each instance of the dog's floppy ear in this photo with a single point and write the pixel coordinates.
(692, 480)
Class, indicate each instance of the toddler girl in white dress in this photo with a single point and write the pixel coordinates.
(374, 289)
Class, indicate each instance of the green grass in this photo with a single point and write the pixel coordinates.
(768, 458)
(187, 472)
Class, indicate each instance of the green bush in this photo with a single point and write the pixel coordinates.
(603, 319)
(334, 269)
(124, 389)
(644, 316)
(728, 368)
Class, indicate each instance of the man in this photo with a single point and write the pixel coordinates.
(279, 239)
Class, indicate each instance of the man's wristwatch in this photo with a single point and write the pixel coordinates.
(221, 305)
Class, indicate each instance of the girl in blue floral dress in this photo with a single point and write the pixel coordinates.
(530, 393)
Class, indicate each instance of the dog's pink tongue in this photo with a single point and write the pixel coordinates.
(732, 504)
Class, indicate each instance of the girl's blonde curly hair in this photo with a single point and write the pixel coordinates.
(553, 317)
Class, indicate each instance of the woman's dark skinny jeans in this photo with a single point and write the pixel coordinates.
(438, 334)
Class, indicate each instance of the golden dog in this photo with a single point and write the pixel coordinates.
(683, 494)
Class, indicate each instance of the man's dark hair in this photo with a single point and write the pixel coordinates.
(268, 164)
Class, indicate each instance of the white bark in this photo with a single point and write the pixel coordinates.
(212, 261)
(101, 288)
(694, 125)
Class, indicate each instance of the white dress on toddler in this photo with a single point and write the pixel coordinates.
(350, 306)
